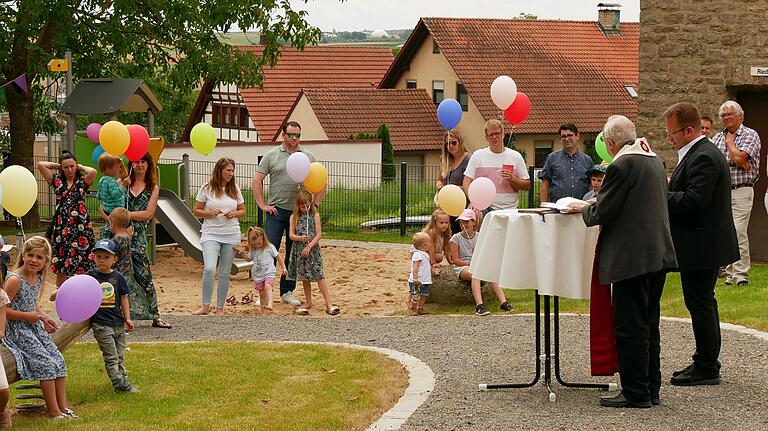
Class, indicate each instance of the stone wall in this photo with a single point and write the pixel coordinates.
(697, 51)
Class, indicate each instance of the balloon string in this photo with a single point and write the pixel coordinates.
(21, 227)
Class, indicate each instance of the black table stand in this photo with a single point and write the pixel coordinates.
(548, 357)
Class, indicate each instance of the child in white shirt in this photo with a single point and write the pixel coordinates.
(462, 248)
(420, 276)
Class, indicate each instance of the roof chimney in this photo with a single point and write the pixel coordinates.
(608, 18)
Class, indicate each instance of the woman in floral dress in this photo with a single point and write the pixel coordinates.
(141, 202)
(71, 231)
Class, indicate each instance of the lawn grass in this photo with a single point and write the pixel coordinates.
(742, 305)
(229, 386)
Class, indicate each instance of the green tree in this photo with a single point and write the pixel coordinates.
(510, 141)
(177, 39)
(387, 154)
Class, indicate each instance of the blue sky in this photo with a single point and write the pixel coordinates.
(396, 14)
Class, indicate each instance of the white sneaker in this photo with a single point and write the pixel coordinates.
(288, 298)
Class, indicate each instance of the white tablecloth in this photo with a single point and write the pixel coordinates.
(553, 253)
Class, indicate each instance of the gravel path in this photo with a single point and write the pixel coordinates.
(465, 350)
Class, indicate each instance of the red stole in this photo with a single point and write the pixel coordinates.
(602, 339)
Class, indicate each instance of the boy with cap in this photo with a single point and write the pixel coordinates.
(595, 175)
(113, 318)
(462, 248)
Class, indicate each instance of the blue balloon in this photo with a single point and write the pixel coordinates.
(97, 152)
(449, 113)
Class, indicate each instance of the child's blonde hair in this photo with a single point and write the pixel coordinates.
(433, 232)
(253, 233)
(420, 238)
(36, 243)
(119, 218)
(107, 160)
(302, 198)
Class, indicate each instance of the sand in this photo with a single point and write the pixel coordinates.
(362, 281)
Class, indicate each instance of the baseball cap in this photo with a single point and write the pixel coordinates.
(467, 214)
(107, 245)
(596, 169)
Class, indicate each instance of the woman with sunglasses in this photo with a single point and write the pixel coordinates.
(453, 161)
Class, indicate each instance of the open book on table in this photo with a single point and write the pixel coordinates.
(562, 204)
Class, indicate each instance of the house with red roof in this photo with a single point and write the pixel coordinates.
(249, 115)
(577, 72)
(334, 114)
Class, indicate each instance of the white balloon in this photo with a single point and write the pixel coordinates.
(297, 166)
(503, 91)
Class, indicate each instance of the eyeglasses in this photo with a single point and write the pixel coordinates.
(569, 136)
(493, 134)
(452, 143)
(293, 135)
(727, 114)
(677, 131)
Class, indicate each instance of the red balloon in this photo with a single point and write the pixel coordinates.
(519, 109)
(139, 144)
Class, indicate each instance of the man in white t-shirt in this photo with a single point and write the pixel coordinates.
(504, 166)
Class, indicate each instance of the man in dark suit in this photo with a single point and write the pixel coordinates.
(699, 201)
(635, 253)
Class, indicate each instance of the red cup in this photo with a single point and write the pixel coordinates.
(507, 167)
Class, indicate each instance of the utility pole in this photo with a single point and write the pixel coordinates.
(71, 118)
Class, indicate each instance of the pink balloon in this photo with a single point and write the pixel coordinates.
(78, 298)
(519, 109)
(92, 131)
(139, 144)
(482, 192)
(297, 166)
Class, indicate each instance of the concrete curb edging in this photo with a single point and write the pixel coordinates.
(421, 380)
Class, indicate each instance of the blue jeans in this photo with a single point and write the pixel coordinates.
(214, 251)
(274, 227)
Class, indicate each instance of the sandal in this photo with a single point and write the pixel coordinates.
(247, 298)
(232, 300)
(301, 311)
(333, 310)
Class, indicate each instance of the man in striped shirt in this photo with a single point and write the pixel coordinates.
(741, 147)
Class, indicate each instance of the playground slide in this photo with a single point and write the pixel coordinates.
(184, 228)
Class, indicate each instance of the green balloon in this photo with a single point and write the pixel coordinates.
(203, 138)
(601, 149)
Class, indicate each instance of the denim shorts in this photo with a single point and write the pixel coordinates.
(423, 290)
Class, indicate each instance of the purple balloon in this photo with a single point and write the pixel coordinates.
(78, 298)
(297, 166)
(93, 132)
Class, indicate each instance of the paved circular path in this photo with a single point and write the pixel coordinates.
(465, 350)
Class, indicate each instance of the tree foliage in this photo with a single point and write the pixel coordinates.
(177, 40)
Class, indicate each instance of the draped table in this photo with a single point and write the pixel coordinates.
(550, 252)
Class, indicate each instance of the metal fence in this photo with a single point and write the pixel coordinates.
(357, 198)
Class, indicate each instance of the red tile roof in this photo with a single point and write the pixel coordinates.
(316, 67)
(410, 115)
(571, 71)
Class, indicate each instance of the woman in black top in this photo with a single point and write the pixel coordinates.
(453, 161)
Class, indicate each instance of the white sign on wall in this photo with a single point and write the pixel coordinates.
(760, 71)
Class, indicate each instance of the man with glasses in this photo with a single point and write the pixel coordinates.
(282, 197)
(703, 233)
(741, 147)
(504, 166)
(564, 172)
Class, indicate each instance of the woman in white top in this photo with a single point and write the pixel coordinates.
(220, 203)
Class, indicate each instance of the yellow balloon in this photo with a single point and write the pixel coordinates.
(114, 137)
(451, 199)
(317, 178)
(203, 138)
(19, 190)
